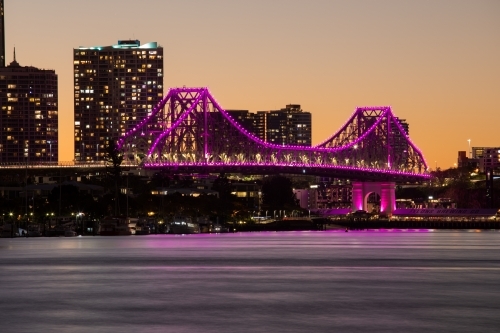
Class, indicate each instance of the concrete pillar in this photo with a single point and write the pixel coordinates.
(387, 197)
(358, 196)
(386, 190)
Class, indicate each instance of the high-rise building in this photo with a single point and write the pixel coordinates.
(288, 126)
(2, 36)
(115, 87)
(400, 144)
(28, 110)
(245, 118)
(29, 114)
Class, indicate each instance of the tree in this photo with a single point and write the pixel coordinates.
(72, 200)
(114, 159)
(277, 193)
(226, 199)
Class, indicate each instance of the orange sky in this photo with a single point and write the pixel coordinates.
(437, 63)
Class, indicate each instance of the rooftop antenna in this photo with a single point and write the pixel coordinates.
(14, 62)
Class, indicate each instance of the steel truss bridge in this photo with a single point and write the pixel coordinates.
(189, 132)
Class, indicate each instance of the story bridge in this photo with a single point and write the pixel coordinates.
(189, 132)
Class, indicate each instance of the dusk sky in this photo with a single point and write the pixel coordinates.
(436, 62)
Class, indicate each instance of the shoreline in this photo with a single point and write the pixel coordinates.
(325, 224)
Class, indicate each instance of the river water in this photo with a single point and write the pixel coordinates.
(361, 281)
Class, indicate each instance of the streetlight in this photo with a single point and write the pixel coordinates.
(50, 150)
(11, 224)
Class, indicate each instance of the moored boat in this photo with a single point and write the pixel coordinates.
(69, 233)
(184, 225)
(142, 228)
(34, 230)
(117, 226)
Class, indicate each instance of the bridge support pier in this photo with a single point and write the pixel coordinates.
(386, 190)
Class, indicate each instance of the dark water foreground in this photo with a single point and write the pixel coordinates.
(361, 281)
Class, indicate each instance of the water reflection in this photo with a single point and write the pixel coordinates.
(359, 281)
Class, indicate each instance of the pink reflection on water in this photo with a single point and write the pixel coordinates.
(246, 239)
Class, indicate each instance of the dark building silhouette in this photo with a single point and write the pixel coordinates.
(288, 126)
(246, 119)
(29, 114)
(2, 36)
(400, 144)
(115, 87)
(28, 110)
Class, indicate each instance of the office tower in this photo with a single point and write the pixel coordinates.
(400, 143)
(29, 114)
(115, 88)
(245, 118)
(288, 126)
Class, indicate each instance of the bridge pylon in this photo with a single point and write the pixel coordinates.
(386, 190)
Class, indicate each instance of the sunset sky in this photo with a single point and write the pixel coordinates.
(436, 62)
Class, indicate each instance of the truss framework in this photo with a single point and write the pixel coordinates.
(190, 128)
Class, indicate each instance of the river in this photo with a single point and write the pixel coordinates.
(357, 281)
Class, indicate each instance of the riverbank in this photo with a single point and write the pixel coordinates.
(393, 224)
(326, 224)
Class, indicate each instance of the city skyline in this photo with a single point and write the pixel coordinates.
(436, 64)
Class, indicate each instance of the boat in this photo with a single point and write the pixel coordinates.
(9, 231)
(34, 230)
(56, 231)
(69, 233)
(142, 228)
(117, 226)
(184, 225)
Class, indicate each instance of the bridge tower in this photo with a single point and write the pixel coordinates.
(386, 190)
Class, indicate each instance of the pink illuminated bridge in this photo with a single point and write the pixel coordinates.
(189, 132)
